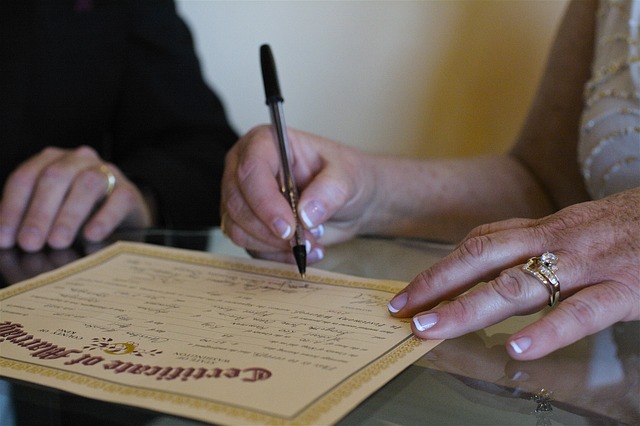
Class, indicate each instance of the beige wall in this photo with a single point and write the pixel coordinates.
(420, 78)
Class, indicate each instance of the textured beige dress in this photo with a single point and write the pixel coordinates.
(609, 147)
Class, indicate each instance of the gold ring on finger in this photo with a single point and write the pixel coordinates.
(111, 179)
(544, 268)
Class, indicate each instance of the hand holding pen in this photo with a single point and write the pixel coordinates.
(287, 182)
(336, 184)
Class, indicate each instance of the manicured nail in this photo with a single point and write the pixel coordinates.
(31, 238)
(60, 237)
(520, 375)
(398, 303)
(521, 344)
(426, 321)
(316, 255)
(96, 232)
(282, 228)
(6, 237)
(317, 232)
(312, 213)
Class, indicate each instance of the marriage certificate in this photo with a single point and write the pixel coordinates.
(218, 339)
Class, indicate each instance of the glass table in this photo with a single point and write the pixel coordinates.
(467, 380)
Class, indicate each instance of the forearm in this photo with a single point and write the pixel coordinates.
(445, 199)
(547, 144)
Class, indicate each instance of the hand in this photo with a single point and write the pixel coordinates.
(336, 189)
(58, 193)
(598, 246)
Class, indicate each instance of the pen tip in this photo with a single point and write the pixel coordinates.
(300, 254)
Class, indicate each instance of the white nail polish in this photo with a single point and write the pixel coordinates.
(515, 347)
(392, 309)
(425, 322)
(286, 233)
(306, 219)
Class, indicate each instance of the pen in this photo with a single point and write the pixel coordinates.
(287, 182)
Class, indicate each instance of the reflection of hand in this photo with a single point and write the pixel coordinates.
(605, 378)
(51, 196)
(599, 258)
(597, 375)
(471, 356)
(332, 180)
(16, 266)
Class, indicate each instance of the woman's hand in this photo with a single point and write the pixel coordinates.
(336, 189)
(598, 246)
(59, 193)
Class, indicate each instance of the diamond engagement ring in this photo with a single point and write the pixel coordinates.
(111, 179)
(544, 269)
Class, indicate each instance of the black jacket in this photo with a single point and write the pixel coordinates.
(120, 76)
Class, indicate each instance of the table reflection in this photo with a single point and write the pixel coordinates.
(594, 381)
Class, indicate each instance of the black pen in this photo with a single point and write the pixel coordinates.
(287, 182)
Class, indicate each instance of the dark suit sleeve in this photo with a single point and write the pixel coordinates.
(170, 130)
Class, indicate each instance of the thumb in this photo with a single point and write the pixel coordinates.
(325, 197)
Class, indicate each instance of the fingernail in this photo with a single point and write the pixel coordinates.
(520, 375)
(30, 238)
(426, 321)
(521, 344)
(398, 303)
(6, 236)
(95, 233)
(60, 237)
(316, 255)
(282, 228)
(312, 213)
(317, 232)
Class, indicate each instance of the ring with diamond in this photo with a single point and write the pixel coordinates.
(544, 269)
(111, 179)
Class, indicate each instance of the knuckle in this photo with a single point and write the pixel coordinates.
(423, 280)
(234, 204)
(37, 218)
(22, 178)
(54, 172)
(51, 151)
(261, 132)
(475, 247)
(478, 231)
(565, 220)
(580, 311)
(245, 169)
(462, 309)
(85, 151)
(91, 178)
(237, 235)
(512, 286)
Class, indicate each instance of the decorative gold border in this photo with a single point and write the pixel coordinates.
(147, 250)
(308, 416)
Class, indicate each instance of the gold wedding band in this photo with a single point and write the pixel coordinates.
(111, 179)
(544, 268)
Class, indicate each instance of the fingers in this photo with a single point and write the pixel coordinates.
(328, 176)
(18, 191)
(50, 196)
(256, 215)
(124, 207)
(512, 292)
(597, 252)
(86, 190)
(479, 258)
(586, 312)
